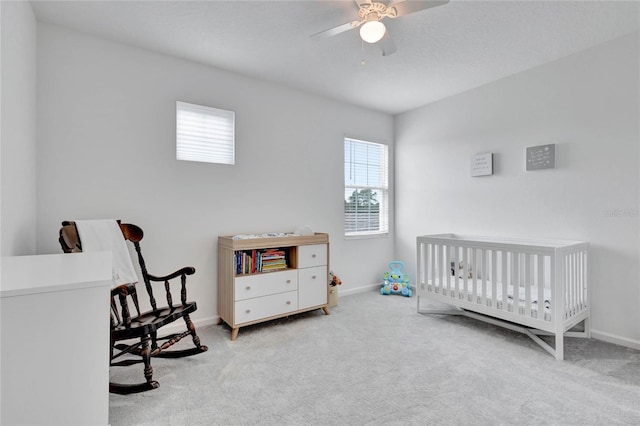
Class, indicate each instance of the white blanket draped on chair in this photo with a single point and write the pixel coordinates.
(105, 235)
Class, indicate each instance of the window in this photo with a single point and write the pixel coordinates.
(204, 134)
(366, 188)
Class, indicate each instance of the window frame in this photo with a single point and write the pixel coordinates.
(209, 138)
(351, 185)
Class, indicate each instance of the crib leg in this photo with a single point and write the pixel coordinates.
(587, 327)
(559, 346)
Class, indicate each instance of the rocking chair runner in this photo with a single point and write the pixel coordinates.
(143, 326)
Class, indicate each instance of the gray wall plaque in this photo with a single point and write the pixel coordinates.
(541, 157)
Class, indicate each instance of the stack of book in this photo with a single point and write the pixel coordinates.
(273, 260)
(254, 261)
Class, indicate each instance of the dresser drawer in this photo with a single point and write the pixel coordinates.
(251, 286)
(312, 255)
(312, 286)
(266, 306)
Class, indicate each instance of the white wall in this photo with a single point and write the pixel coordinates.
(18, 146)
(587, 104)
(106, 149)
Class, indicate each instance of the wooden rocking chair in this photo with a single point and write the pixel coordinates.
(143, 326)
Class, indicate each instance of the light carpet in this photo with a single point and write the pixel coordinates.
(376, 361)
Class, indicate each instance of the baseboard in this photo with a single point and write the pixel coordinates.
(206, 321)
(178, 326)
(366, 288)
(356, 290)
(617, 340)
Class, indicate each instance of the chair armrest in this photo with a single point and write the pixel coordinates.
(121, 292)
(124, 289)
(182, 273)
(187, 270)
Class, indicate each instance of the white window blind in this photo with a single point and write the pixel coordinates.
(204, 134)
(366, 188)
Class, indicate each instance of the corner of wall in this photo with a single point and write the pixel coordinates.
(18, 129)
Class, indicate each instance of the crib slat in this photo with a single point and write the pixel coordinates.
(464, 289)
(516, 281)
(421, 265)
(440, 253)
(465, 285)
(446, 272)
(505, 298)
(447, 257)
(578, 281)
(552, 286)
(483, 277)
(570, 283)
(444, 267)
(456, 280)
(453, 275)
(433, 266)
(427, 265)
(474, 274)
(576, 273)
(462, 282)
(585, 283)
(540, 284)
(567, 285)
(494, 279)
(527, 284)
(437, 284)
(573, 282)
(583, 279)
(579, 306)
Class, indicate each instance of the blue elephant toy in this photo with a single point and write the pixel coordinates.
(394, 281)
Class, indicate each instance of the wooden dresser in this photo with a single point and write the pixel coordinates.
(248, 294)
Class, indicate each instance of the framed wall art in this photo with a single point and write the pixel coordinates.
(482, 165)
(541, 157)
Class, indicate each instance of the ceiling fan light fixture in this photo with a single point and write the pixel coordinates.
(372, 31)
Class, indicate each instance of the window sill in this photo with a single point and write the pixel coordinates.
(366, 236)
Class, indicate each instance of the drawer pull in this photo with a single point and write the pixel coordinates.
(288, 281)
(248, 287)
(248, 311)
(288, 302)
(313, 277)
(313, 255)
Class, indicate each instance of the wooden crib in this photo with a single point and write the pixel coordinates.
(536, 287)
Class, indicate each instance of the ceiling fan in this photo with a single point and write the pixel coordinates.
(371, 13)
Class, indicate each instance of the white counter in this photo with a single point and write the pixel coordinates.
(54, 322)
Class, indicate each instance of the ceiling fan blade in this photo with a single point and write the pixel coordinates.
(407, 7)
(337, 30)
(387, 45)
(362, 2)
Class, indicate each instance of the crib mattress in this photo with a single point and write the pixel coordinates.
(498, 300)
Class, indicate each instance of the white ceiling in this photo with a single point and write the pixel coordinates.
(441, 51)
